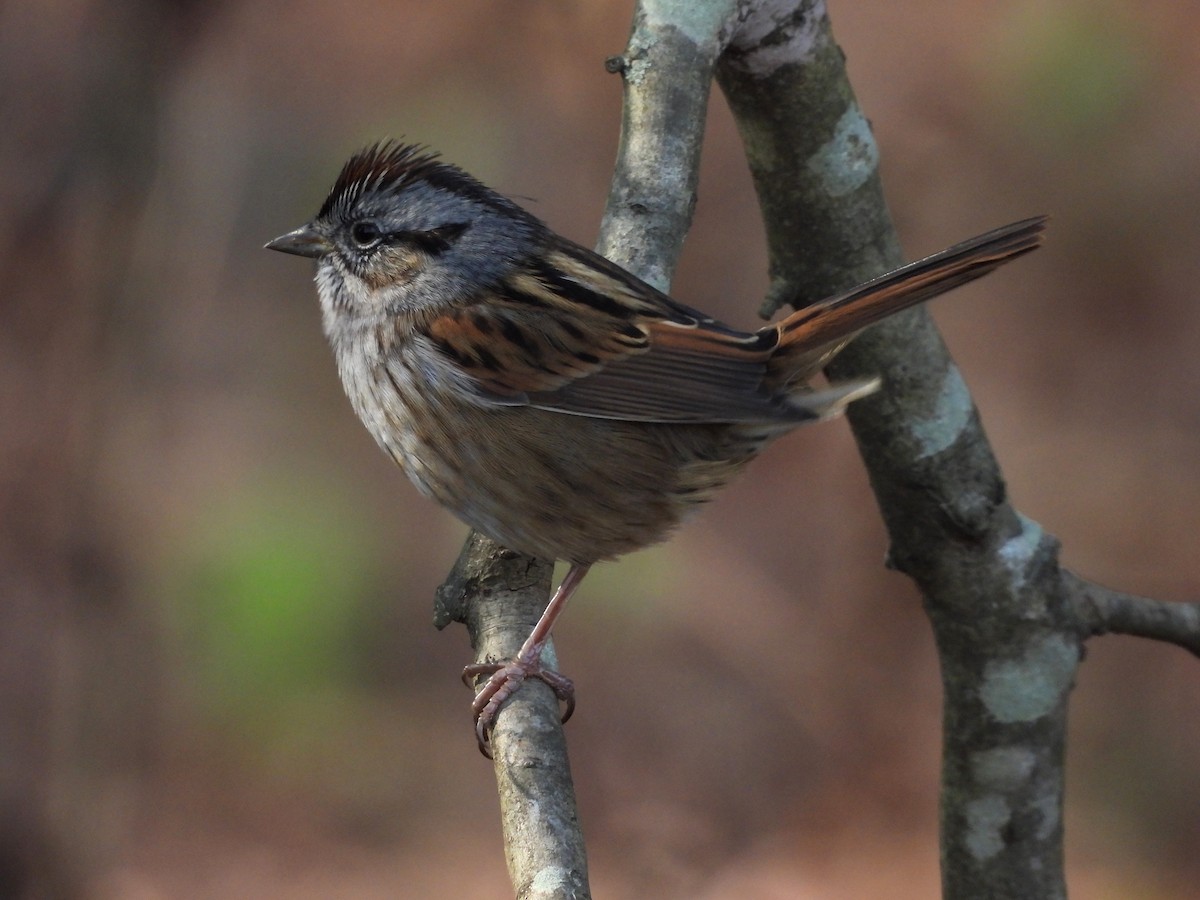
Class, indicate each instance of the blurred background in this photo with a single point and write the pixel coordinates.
(218, 675)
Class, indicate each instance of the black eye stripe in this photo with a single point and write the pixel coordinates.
(435, 240)
(367, 234)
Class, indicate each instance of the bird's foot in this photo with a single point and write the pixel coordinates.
(504, 681)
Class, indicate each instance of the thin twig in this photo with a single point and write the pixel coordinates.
(1106, 611)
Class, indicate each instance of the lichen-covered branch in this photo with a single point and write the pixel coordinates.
(1009, 622)
(1007, 642)
(784, 78)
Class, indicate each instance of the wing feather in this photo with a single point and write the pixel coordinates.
(578, 335)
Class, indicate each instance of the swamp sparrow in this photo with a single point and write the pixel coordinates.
(544, 395)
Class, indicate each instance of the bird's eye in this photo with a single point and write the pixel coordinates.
(366, 234)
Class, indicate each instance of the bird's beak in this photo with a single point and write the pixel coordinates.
(304, 241)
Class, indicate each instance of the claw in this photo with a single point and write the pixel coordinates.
(504, 681)
(505, 678)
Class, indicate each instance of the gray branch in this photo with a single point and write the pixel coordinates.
(1007, 642)
(498, 595)
(1009, 622)
(668, 73)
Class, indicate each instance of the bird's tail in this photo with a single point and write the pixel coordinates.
(825, 325)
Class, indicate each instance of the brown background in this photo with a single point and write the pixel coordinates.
(220, 670)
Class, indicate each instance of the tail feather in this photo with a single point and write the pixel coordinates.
(833, 400)
(842, 315)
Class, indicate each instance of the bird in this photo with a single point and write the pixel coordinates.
(547, 397)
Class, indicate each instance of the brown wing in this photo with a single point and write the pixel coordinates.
(686, 374)
(578, 335)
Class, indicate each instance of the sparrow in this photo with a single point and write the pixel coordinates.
(550, 399)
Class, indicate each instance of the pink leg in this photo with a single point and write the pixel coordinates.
(506, 678)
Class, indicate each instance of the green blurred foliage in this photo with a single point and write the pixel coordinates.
(1072, 71)
(269, 598)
